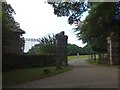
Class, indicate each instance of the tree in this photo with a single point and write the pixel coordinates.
(73, 10)
(8, 21)
(74, 49)
(87, 49)
(98, 25)
(9, 25)
(47, 45)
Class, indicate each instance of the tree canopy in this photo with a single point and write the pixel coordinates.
(73, 10)
(74, 49)
(8, 21)
(98, 25)
(46, 45)
(8, 26)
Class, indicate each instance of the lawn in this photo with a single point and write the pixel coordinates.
(25, 75)
(76, 57)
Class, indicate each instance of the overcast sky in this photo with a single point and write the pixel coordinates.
(37, 19)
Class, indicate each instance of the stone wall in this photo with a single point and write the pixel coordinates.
(12, 42)
(15, 61)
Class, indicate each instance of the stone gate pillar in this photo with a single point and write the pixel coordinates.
(114, 49)
(61, 48)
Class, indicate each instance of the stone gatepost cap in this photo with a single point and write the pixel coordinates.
(62, 32)
(61, 35)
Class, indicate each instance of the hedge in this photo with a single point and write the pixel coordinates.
(12, 61)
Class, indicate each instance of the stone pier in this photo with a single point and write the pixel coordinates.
(61, 48)
(114, 48)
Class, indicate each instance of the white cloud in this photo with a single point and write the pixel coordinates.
(37, 19)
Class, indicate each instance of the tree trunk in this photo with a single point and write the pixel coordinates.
(94, 57)
(91, 56)
(99, 57)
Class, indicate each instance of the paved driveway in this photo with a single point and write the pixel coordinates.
(82, 75)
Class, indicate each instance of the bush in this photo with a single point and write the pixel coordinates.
(12, 61)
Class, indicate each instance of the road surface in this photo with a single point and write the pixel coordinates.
(82, 75)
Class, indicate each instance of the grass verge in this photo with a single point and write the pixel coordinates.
(102, 62)
(26, 75)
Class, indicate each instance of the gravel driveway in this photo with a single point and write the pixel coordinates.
(82, 75)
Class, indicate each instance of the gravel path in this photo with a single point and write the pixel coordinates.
(82, 75)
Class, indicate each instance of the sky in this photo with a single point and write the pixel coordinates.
(37, 19)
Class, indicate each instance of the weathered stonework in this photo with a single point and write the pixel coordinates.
(114, 49)
(12, 41)
(61, 48)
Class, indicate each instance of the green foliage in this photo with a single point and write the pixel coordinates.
(8, 22)
(88, 49)
(73, 10)
(9, 25)
(98, 25)
(47, 45)
(50, 48)
(74, 49)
